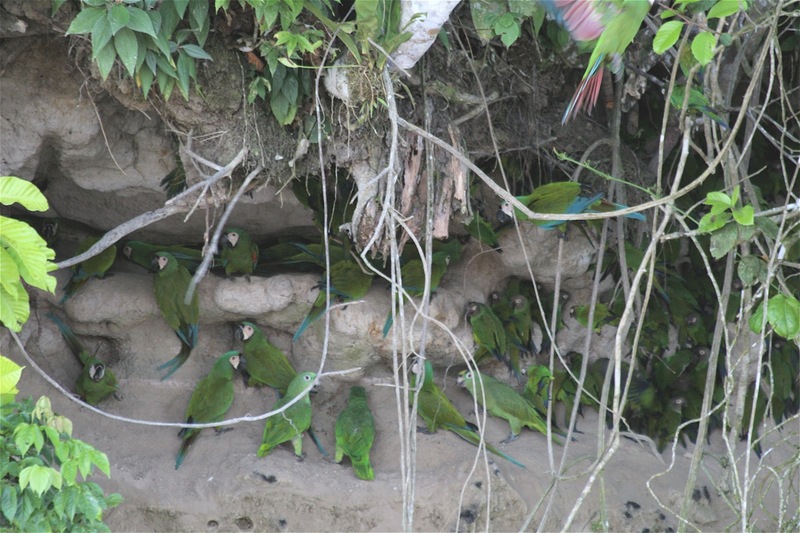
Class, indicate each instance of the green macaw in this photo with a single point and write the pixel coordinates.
(264, 363)
(170, 287)
(697, 103)
(239, 253)
(142, 253)
(487, 331)
(613, 24)
(413, 275)
(211, 399)
(96, 382)
(502, 401)
(438, 412)
(94, 267)
(355, 432)
(348, 282)
(290, 424)
(562, 197)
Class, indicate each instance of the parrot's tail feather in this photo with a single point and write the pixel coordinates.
(176, 362)
(187, 442)
(474, 438)
(363, 468)
(317, 442)
(264, 450)
(387, 326)
(311, 317)
(69, 336)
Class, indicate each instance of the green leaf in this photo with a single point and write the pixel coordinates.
(744, 215)
(484, 14)
(180, 7)
(723, 240)
(17, 190)
(100, 460)
(713, 221)
(184, 74)
(56, 6)
(768, 226)
(784, 316)
(105, 60)
(9, 272)
(146, 80)
(280, 107)
(127, 49)
(69, 469)
(198, 20)
(140, 22)
(29, 251)
(10, 373)
(751, 269)
(8, 502)
(85, 21)
(723, 8)
(101, 35)
(118, 17)
(703, 47)
(725, 39)
(14, 307)
(667, 35)
(192, 50)
(40, 478)
(718, 198)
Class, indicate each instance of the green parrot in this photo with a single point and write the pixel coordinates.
(537, 388)
(483, 231)
(302, 257)
(348, 282)
(94, 267)
(487, 331)
(611, 25)
(562, 197)
(518, 328)
(502, 401)
(290, 424)
(355, 432)
(96, 382)
(170, 287)
(142, 253)
(697, 103)
(438, 412)
(602, 316)
(239, 252)
(211, 399)
(264, 363)
(565, 387)
(413, 275)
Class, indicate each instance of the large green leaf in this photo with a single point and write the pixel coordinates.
(10, 373)
(140, 22)
(85, 20)
(667, 35)
(118, 17)
(29, 251)
(17, 190)
(127, 49)
(14, 307)
(105, 59)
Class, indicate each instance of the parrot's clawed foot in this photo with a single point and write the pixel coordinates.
(301, 457)
(424, 430)
(118, 396)
(220, 431)
(511, 438)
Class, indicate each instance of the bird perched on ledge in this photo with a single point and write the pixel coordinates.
(613, 24)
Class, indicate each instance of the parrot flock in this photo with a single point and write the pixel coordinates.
(512, 326)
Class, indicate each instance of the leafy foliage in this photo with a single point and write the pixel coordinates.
(39, 466)
(148, 38)
(24, 255)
